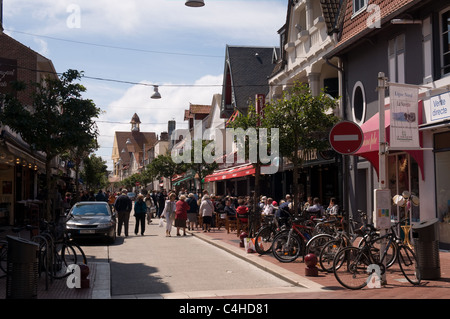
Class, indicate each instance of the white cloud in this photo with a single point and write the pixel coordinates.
(154, 114)
(242, 20)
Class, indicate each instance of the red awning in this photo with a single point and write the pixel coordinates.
(370, 147)
(231, 173)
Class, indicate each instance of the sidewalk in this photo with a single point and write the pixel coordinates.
(397, 287)
(324, 286)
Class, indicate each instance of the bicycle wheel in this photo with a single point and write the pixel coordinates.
(315, 244)
(287, 248)
(391, 252)
(350, 268)
(408, 264)
(80, 255)
(64, 257)
(264, 239)
(328, 252)
(3, 258)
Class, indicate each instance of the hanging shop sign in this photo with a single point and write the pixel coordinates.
(404, 124)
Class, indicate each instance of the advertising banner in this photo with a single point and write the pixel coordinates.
(404, 124)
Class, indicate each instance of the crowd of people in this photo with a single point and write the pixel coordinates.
(182, 210)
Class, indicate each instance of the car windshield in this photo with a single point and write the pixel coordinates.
(90, 210)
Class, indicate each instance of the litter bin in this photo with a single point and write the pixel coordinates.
(22, 269)
(426, 243)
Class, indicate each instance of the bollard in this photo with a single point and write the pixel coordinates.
(311, 269)
(242, 237)
(84, 272)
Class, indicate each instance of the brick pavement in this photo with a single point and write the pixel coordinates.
(396, 287)
(324, 286)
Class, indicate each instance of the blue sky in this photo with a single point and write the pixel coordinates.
(161, 42)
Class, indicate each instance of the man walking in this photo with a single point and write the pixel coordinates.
(123, 206)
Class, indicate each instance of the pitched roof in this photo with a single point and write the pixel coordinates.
(249, 68)
(137, 139)
(354, 27)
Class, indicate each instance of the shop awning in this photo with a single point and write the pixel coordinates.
(369, 149)
(231, 173)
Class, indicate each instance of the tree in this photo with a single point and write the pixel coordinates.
(252, 120)
(164, 166)
(203, 168)
(304, 123)
(95, 172)
(54, 122)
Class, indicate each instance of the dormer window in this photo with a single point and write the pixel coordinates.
(359, 6)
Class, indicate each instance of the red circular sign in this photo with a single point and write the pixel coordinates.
(346, 137)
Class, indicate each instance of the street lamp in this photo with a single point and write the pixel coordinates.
(156, 94)
(195, 3)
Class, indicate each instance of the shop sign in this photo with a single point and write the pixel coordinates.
(8, 74)
(439, 107)
(404, 124)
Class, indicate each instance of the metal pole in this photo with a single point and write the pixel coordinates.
(382, 80)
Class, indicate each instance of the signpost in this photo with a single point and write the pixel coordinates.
(346, 137)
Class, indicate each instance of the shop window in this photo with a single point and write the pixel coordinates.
(445, 31)
(442, 163)
(403, 175)
(359, 103)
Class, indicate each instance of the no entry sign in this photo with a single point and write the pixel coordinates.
(346, 137)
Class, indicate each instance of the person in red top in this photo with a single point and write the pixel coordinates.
(242, 209)
(181, 210)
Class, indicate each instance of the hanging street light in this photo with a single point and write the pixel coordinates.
(156, 94)
(195, 3)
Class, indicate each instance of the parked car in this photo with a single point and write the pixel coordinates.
(131, 195)
(92, 219)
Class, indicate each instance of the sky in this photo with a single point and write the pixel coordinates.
(128, 46)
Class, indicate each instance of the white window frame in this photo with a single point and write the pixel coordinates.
(363, 115)
(363, 8)
(441, 33)
(396, 59)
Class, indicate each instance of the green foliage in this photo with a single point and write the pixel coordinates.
(304, 120)
(95, 172)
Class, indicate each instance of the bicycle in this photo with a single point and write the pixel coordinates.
(57, 252)
(288, 245)
(355, 266)
(344, 239)
(267, 232)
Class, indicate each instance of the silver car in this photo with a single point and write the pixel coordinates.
(92, 219)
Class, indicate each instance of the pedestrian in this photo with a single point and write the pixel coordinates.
(206, 211)
(192, 213)
(181, 214)
(151, 208)
(100, 197)
(140, 211)
(169, 212)
(123, 206)
(161, 202)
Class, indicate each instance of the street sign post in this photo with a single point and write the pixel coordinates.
(346, 137)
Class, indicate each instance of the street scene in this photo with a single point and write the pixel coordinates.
(204, 151)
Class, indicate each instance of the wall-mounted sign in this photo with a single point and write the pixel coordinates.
(8, 74)
(440, 107)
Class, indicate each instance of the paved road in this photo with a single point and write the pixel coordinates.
(155, 266)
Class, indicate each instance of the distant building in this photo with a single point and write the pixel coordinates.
(130, 149)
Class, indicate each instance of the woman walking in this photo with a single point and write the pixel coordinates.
(169, 212)
(206, 210)
(140, 211)
(181, 215)
(192, 212)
